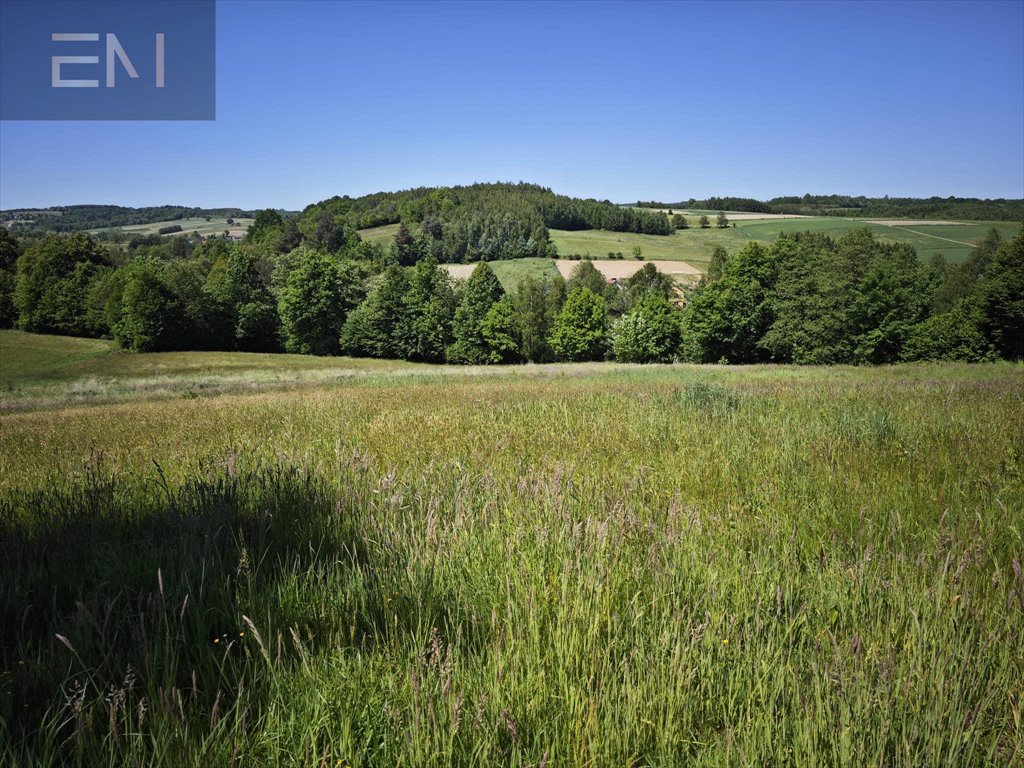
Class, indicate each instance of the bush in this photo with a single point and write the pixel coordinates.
(650, 333)
(954, 335)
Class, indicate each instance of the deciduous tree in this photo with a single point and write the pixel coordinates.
(314, 302)
(579, 333)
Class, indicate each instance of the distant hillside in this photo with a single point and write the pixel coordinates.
(72, 218)
(526, 200)
(967, 208)
(479, 222)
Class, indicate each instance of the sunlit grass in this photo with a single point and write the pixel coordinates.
(593, 565)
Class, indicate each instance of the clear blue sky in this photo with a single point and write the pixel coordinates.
(622, 101)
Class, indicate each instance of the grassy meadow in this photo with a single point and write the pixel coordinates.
(383, 235)
(43, 371)
(544, 565)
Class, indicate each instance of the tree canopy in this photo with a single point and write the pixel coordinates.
(806, 298)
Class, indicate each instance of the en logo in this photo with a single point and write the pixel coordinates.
(114, 50)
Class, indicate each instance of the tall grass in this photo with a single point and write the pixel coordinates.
(674, 566)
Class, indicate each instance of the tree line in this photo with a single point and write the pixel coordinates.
(967, 208)
(483, 221)
(806, 298)
(810, 299)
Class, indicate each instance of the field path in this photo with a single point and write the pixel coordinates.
(937, 237)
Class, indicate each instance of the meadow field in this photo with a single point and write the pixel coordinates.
(562, 565)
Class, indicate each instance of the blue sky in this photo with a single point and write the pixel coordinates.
(661, 100)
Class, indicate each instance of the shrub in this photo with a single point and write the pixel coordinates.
(953, 335)
(649, 333)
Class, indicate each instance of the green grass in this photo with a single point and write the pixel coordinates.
(693, 246)
(511, 272)
(383, 235)
(26, 357)
(38, 371)
(587, 565)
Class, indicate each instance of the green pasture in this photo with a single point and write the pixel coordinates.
(38, 370)
(568, 565)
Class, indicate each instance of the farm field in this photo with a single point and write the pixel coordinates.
(733, 215)
(954, 241)
(695, 245)
(560, 565)
(215, 226)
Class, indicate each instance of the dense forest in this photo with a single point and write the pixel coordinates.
(481, 222)
(862, 207)
(309, 285)
(537, 204)
(74, 218)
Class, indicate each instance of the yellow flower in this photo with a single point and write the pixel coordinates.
(725, 641)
